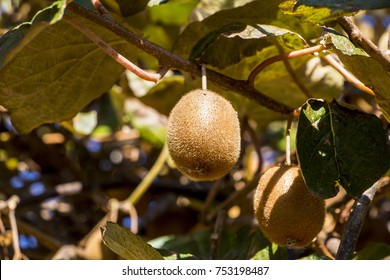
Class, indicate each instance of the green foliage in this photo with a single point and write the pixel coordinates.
(318, 14)
(126, 244)
(359, 63)
(346, 4)
(52, 73)
(338, 146)
(55, 71)
(373, 251)
(241, 244)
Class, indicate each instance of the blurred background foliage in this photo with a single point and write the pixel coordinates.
(66, 173)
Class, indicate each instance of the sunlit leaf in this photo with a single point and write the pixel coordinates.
(128, 245)
(317, 14)
(340, 147)
(347, 5)
(365, 68)
(240, 40)
(54, 71)
(251, 13)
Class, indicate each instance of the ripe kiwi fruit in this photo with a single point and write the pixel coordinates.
(203, 135)
(288, 214)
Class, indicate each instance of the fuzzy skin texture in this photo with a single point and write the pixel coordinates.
(288, 214)
(203, 135)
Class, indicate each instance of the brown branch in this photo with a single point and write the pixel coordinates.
(166, 58)
(112, 52)
(284, 56)
(358, 38)
(347, 75)
(355, 223)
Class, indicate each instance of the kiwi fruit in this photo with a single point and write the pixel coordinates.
(288, 214)
(203, 135)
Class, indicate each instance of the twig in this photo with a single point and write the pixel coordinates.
(284, 56)
(358, 38)
(9, 206)
(216, 235)
(100, 8)
(347, 75)
(319, 243)
(112, 52)
(128, 208)
(148, 179)
(355, 223)
(167, 58)
(4, 232)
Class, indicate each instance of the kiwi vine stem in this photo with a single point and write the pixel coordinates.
(347, 76)
(280, 57)
(112, 52)
(355, 223)
(168, 59)
(358, 38)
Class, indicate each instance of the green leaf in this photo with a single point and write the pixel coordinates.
(240, 40)
(55, 71)
(307, 13)
(172, 13)
(347, 5)
(359, 64)
(343, 44)
(197, 244)
(339, 146)
(128, 245)
(373, 251)
(271, 251)
(11, 42)
(251, 13)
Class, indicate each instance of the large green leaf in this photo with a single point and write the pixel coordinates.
(248, 243)
(338, 146)
(241, 40)
(346, 5)
(251, 13)
(307, 13)
(240, 244)
(128, 245)
(53, 70)
(366, 69)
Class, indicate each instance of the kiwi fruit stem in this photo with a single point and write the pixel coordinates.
(204, 77)
(288, 145)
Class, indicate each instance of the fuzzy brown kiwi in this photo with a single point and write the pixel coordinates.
(288, 214)
(203, 135)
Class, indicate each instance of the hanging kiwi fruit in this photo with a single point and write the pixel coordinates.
(288, 214)
(203, 135)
